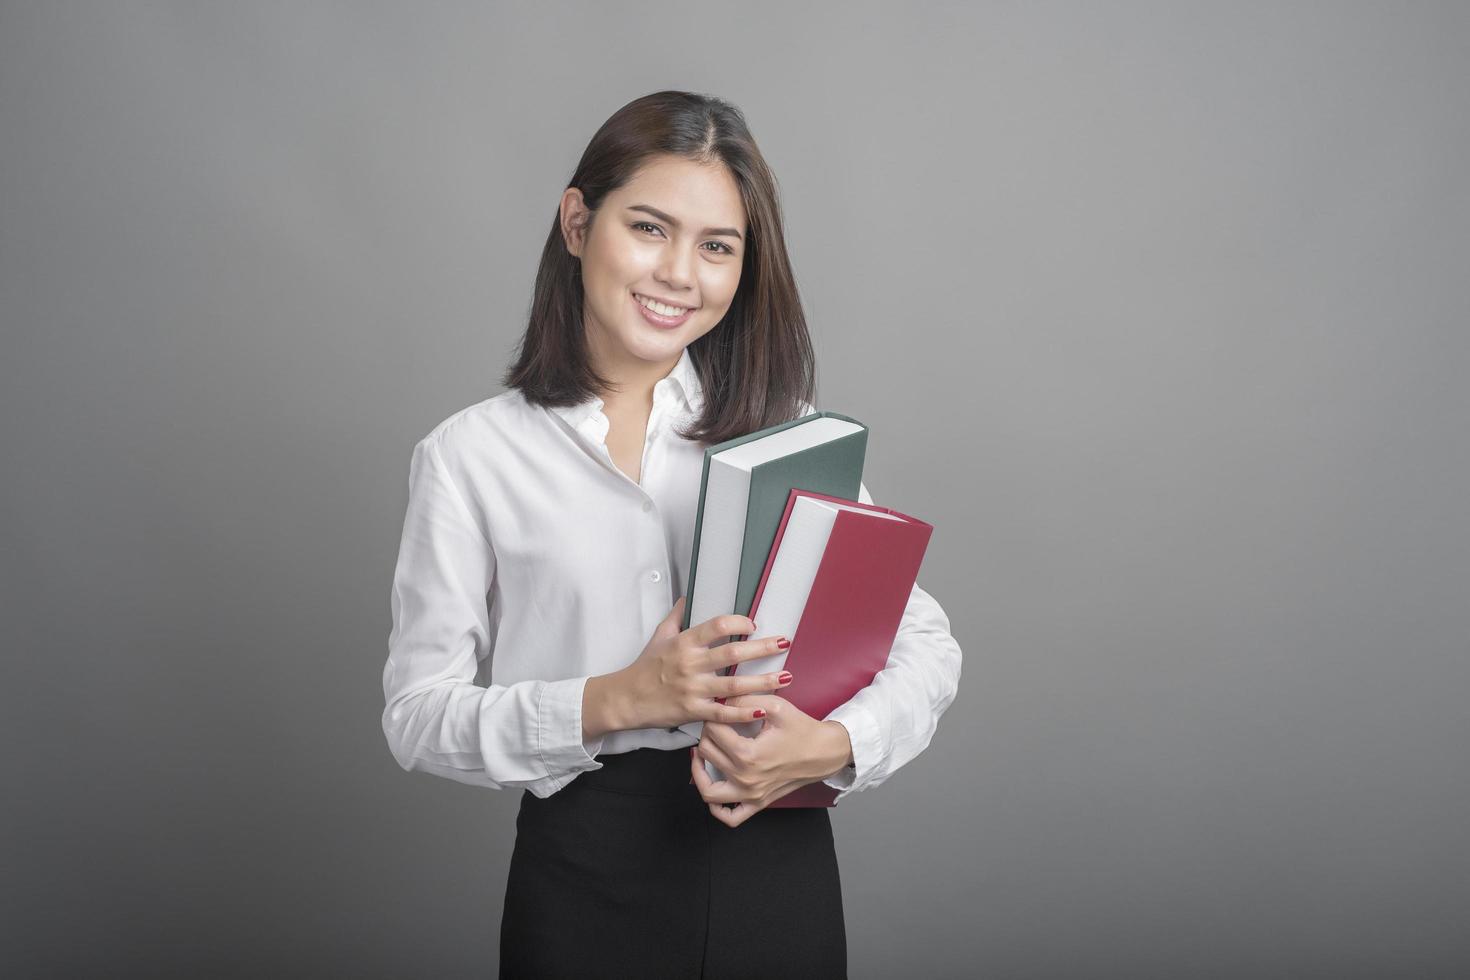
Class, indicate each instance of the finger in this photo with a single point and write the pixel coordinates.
(738, 652)
(756, 683)
(736, 815)
(734, 743)
(720, 627)
(716, 754)
(671, 622)
(743, 811)
(778, 709)
(740, 709)
(719, 791)
(711, 789)
(700, 776)
(770, 702)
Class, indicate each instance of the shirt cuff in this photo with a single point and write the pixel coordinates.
(867, 749)
(559, 740)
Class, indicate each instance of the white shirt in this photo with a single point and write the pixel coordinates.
(526, 546)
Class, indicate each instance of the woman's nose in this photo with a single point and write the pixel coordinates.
(674, 270)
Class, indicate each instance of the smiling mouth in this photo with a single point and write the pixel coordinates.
(652, 304)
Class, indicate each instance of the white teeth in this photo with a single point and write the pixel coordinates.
(660, 308)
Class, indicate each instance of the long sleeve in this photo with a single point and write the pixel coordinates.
(436, 719)
(894, 718)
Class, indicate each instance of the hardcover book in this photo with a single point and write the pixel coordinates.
(743, 492)
(835, 583)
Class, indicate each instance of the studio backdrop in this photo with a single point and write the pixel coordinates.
(1157, 312)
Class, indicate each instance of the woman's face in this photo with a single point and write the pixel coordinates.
(675, 233)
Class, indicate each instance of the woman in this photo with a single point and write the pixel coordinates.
(552, 525)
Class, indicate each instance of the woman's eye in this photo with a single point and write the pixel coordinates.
(726, 249)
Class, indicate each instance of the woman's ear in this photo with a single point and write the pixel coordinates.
(574, 215)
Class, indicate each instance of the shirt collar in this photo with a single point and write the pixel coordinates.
(685, 379)
(681, 383)
(576, 414)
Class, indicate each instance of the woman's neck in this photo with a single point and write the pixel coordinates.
(635, 379)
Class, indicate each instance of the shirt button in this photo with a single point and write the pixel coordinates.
(647, 506)
(656, 575)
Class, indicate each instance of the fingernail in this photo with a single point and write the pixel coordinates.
(759, 712)
(785, 677)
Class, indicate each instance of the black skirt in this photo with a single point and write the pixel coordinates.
(624, 872)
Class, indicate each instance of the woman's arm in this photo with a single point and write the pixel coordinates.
(436, 719)
(603, 707)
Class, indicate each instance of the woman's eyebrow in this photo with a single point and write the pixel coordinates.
(650, 209)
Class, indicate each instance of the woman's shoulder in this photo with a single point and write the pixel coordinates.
(481, 426)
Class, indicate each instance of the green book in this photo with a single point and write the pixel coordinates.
(742, 495)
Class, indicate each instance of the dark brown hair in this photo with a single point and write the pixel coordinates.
(756, 365)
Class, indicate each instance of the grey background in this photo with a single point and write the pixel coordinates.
(1157, 312)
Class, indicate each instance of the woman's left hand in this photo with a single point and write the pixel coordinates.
(791, 750)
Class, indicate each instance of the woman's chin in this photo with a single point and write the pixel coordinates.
(652, 344)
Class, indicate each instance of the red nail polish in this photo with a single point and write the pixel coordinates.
(759, 712)
(782, 643)
(785, 677)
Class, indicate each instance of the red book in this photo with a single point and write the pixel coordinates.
(839, 575)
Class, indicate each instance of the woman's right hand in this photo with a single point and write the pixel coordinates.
(673, 681)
